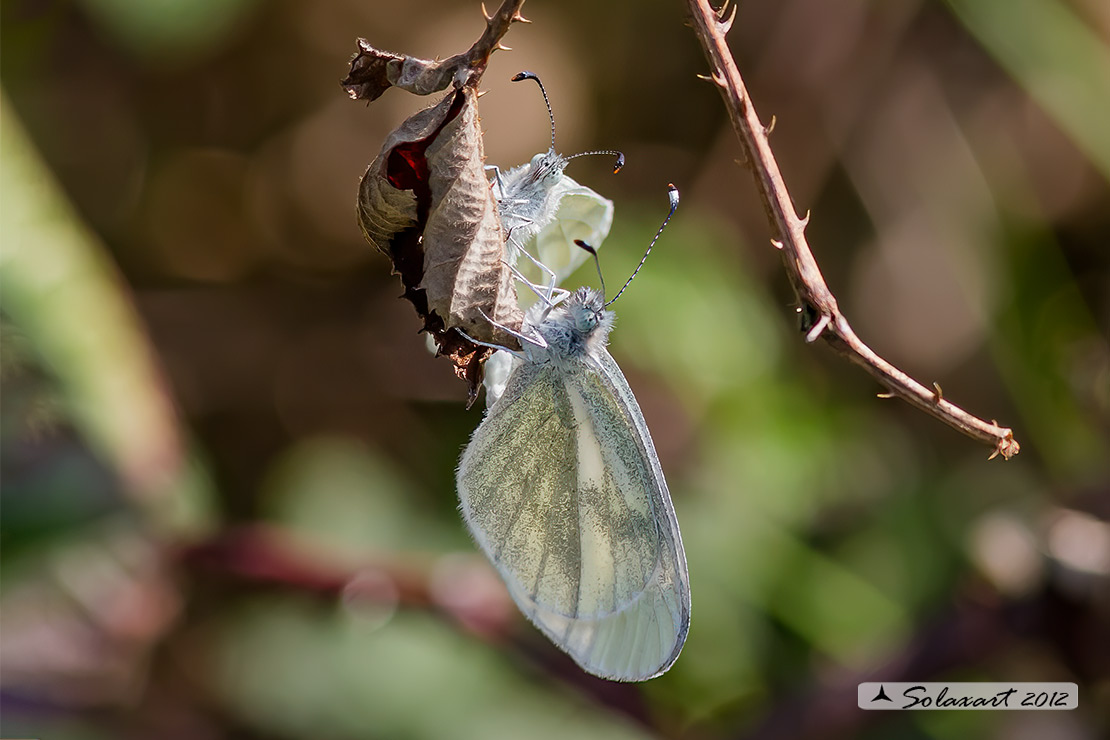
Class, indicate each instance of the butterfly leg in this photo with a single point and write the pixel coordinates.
(550, 299)
(537, 340)
(525, 340)
(497, 179)
(515, 353)
(552, 278)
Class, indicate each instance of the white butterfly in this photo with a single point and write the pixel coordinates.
(562, 489)
(543, 211)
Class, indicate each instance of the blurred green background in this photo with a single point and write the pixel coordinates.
(228, 506)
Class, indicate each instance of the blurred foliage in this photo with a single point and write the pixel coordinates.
(195, 343)
(174, 32)
(1056, 58)
(65, 309)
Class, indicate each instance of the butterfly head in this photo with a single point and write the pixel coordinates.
(547, 167)
(586, 313)
(576, 327)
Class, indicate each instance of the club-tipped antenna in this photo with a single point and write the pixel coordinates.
(526, 75)
(616, 165)
(672, 194)
(597, 262)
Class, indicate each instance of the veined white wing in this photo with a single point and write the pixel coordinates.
(562, 489)
(546, 223)
(581, 213)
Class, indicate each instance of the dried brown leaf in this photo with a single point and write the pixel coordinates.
(465, 274)
(373, 71)
(393, 185)
(425, 201)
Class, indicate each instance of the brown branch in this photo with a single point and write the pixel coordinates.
(471, 598)
(821, 315)
(267, 556)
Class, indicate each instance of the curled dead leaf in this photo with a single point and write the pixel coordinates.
(425, 202)
(373, 71)
(465, 274)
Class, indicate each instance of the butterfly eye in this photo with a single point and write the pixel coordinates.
(591, 320)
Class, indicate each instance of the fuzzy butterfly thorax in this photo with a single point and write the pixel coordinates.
(577, 328)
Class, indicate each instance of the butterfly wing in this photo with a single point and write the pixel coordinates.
(581, 213)
(571, 211)
(562, 489)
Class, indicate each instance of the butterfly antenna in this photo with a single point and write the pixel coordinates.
(526, 75)
(672, 194)
(616, 166)
(597, 262)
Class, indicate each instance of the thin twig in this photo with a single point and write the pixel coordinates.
(822, 316)
(497, 25)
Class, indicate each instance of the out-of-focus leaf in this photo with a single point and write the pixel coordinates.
(707, 334)
(169, 29)
(1055, 58)
(1042, 336)
(298, 672)
(80, 621)
(348, 495)
(66, 299)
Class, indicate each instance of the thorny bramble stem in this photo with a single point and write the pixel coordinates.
(816, 301)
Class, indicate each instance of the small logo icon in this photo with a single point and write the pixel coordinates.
(881, 696)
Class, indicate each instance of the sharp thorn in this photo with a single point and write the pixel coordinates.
(938, 394)
(886, 394)
(502, 47)
(518, 18)
(707, 78)
(778, 245)
(486, 14)
(724, 26)
(996, 453)
(770, 127)
(804, 222)
(820, 326)
(721, 10)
